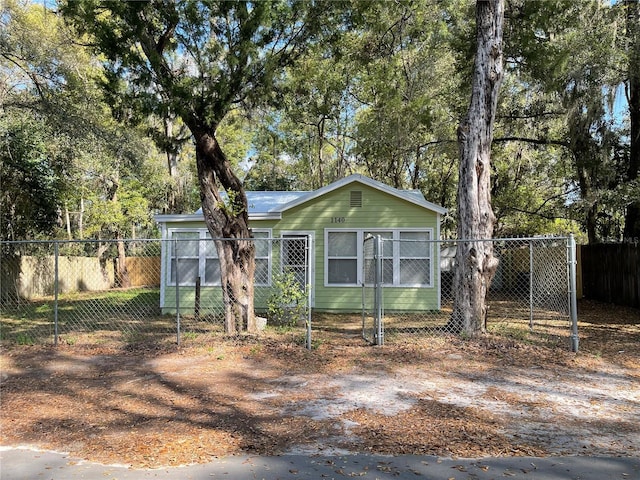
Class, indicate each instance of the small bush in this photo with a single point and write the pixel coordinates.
(286, 305)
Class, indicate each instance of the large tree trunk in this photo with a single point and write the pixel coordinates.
(227, 218)
(475, 263)
(632, 217)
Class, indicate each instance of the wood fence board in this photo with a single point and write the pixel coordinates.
(611, 273)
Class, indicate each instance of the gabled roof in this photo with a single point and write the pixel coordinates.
(412, 196)
(266, 205)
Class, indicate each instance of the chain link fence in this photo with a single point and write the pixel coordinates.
(170, 290)
(533, 290)
(140, 290)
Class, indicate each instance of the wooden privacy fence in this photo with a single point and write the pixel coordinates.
(611, 273)
(33, 277)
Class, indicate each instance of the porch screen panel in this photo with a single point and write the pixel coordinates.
(294, 257)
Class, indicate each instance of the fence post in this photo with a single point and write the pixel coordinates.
(175, 249)
(196, 306)
(308, 250)
(573, 305)
(531, 285)
(377, 255)
(55, 292)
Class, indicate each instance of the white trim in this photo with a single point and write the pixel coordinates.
(198, 217)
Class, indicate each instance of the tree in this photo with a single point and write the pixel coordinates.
(378, 101)
(632, 216)
(270, 168)
(475, 263)
(33, 159)
(63, 156)
(405, 68)
(33, 182)
(199, 60)
(171, 136)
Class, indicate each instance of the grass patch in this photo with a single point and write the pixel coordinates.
(24, 339)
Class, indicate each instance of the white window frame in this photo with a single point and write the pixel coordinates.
(360, 235)
(199, 233)
(397, 257)
(357, 256)
(203, 236)
(269, 257)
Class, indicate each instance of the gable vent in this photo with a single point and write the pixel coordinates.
(356, 198)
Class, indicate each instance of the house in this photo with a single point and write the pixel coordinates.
(335, 220)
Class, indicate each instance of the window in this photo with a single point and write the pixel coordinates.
(263, 257)
(406, 257)
(342, 258)
(387, 257)
(211, 261)
(415, 258)
(196, 254)
(185, 249)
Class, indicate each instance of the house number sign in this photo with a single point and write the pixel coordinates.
(338, 219)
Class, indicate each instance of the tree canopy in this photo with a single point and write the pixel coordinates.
(295, 94)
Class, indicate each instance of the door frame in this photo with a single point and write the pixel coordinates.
(310, 235)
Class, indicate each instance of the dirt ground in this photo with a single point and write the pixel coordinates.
(158, 405)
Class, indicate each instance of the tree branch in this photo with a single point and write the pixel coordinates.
(536, 141)
(531, 115)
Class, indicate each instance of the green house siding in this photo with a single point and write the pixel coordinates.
(210, 299)
(379, 211)
(355, 206)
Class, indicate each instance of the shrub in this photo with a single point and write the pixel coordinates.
(286, 305)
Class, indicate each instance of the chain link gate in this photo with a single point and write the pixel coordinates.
(533, 290)
(372, 306)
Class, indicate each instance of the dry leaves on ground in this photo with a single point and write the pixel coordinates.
(488, 396)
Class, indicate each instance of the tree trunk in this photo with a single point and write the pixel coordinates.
(81, 219)
(122, 273)
(67, 222)
(632, 217)
(175, 200)
(475, 263)
(228, 221)
(320, 160)
(586, 159)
